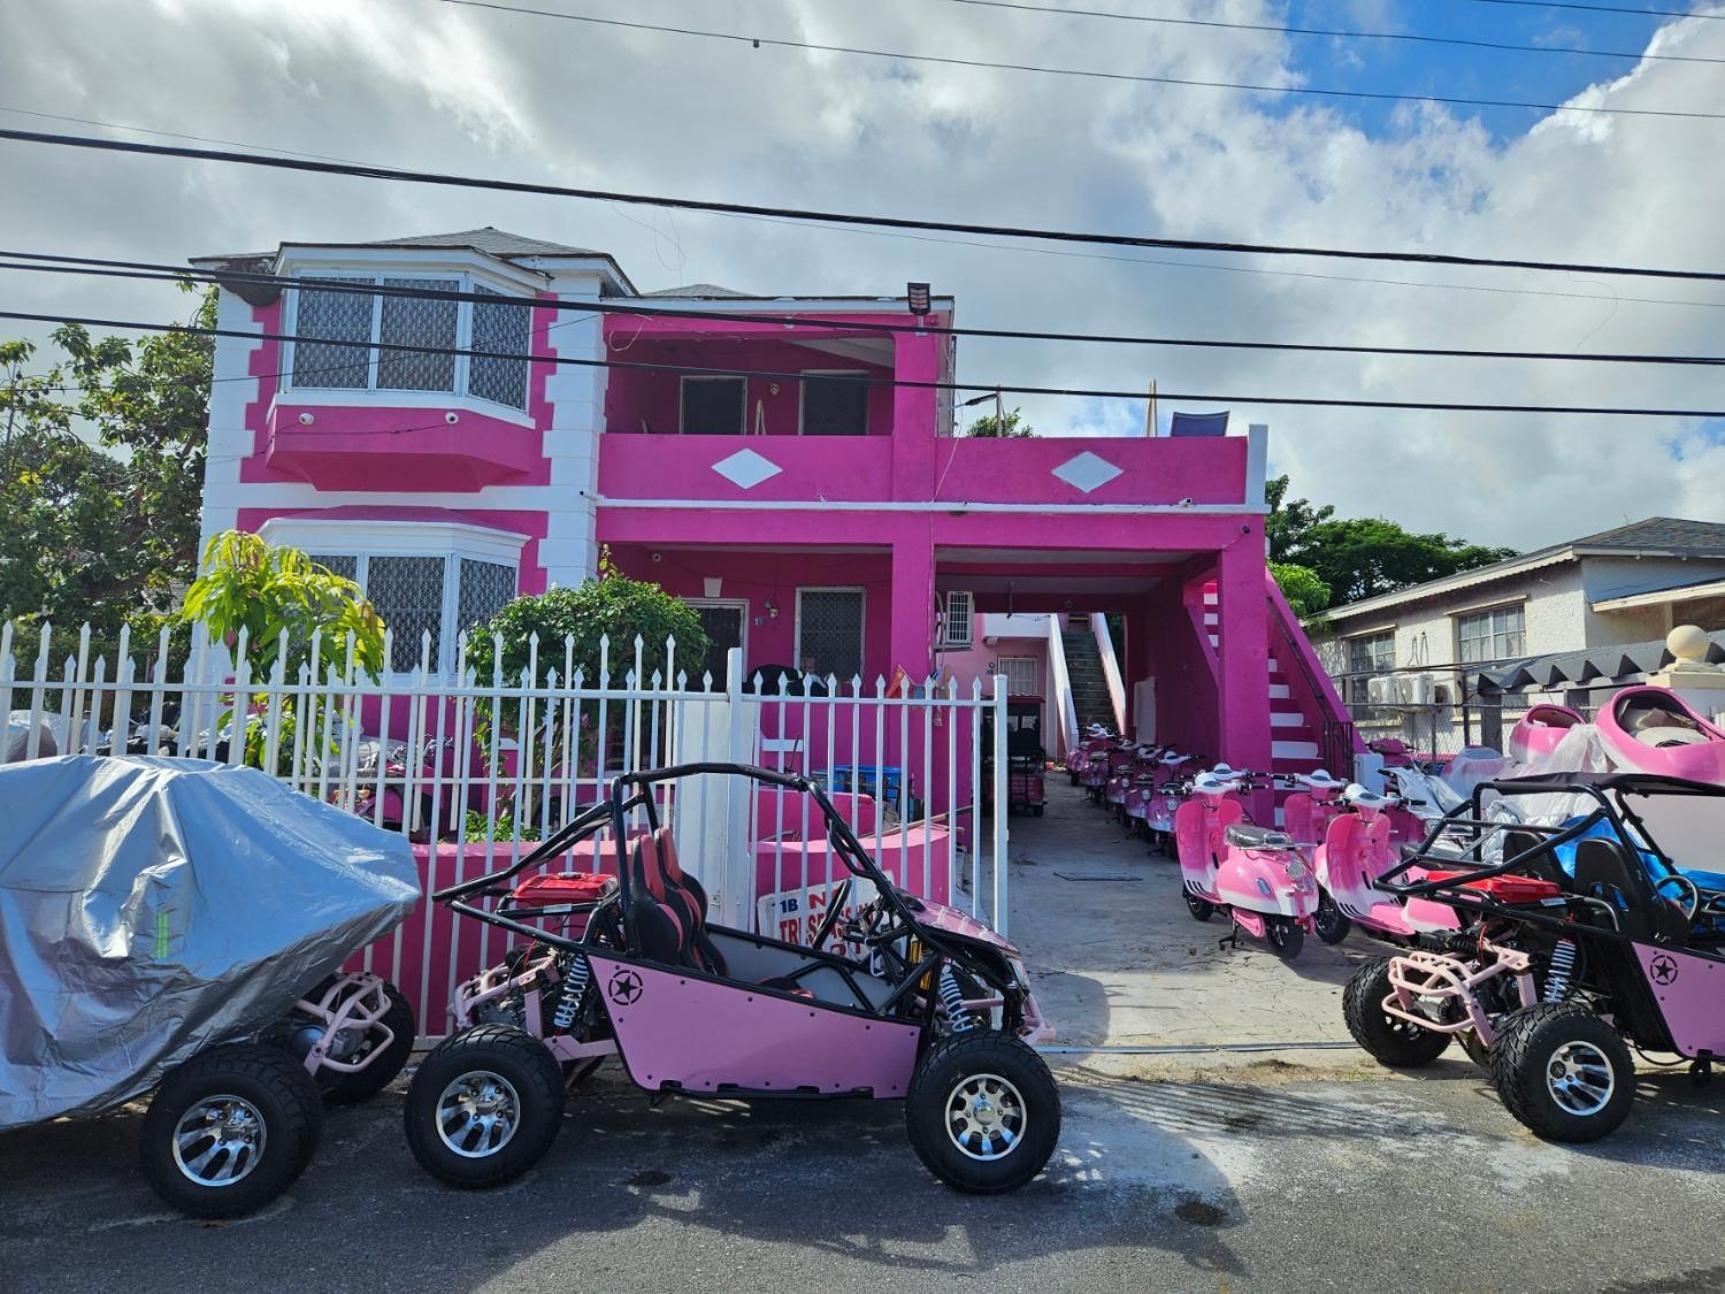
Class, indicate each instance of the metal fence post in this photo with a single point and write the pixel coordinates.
(999, 810)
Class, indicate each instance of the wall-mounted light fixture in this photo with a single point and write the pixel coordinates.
(917, 295)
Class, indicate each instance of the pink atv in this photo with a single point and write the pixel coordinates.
(1254, 875)
(893, 998)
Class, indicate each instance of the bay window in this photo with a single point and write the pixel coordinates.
(323, 319)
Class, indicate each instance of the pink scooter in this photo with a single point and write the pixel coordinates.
(1254, 874)
(1167, 792)
(1357, 849)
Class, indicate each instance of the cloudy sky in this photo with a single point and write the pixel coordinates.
(426, 84)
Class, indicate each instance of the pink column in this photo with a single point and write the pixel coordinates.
(912, 637)
(1243, 676)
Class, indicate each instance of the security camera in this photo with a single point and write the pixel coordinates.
(305, 420)
(452, 418)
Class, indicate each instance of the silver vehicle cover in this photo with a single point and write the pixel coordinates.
(151, 907)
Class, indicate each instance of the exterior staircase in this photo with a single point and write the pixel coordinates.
(1309, 726)
(1090, 697)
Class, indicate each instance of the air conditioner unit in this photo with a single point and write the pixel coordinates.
(958, 620)
(1383, 691)
(1415, 689)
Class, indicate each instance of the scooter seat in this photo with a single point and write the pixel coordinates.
(1248, 837)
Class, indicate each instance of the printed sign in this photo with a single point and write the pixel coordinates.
(795, 916)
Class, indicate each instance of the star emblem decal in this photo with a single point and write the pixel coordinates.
(624, 988)
(1664, 969)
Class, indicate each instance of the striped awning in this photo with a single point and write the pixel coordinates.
(1619, 664)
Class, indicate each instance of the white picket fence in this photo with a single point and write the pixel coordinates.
(440, 759)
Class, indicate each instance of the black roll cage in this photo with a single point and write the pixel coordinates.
(621, 801)
(1612, 808)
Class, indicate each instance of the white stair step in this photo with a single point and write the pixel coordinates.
(1212, 618)
(1293, 750)
(1281, 692)
(1287, 719)
(1215, 641)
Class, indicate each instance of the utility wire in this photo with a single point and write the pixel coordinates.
(863, 380)
(1090, 73)
(1065, 252)
(1604, 8)
(452, 180)
(1420, 38)
(103, 267)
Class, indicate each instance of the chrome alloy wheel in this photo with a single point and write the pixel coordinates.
(1580, 1079)
(219, 1141)
(985, 1116)
(478, 1114)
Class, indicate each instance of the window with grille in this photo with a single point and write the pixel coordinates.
(407, 593)
(343, 564)
(323, 318)
(830, 631)
(714, 406)
(1023, 674)
(415, 321)
(500, 328)
(486, 588)
(1497, 634)
(1367, 655)
(332, 317)
(835, 406)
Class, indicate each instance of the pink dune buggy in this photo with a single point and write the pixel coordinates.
(1588, 935)
(893, 998)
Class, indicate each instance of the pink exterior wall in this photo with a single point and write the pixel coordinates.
(634, 398)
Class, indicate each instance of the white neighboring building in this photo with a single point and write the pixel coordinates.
(1539, 622)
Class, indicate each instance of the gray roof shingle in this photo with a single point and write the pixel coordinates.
(490, 239)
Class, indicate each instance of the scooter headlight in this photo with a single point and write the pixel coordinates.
(1296, 868)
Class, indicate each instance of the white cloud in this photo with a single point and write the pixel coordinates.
(436, 86)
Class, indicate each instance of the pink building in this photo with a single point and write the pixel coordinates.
(817, 520)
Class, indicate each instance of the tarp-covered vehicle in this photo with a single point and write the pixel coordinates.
(180, 926)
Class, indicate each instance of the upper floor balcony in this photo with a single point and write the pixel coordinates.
(748, 415)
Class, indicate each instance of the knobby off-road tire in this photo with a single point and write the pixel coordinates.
(230, 1130)
(484, 1107)
(349, 1089)
(1563, 1072)
(1005, 1144)
(1389, 1041)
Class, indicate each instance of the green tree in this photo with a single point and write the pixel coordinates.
(1306, 593)
(1364, 556)
(612, 606)
(101, 474)
(281, 599)
(1012, 426)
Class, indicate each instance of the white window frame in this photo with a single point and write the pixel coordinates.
(1487, 612)
(947, 641)
(736, 604)
(683, 404)
(1035, 671)
(862, 622)
(363, 540)
(466, 281)
(1358, 679)
(802, 392)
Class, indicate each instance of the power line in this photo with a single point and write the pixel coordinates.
(831, 217)
(1417, 37)
(1091, 73)
(865, 381)
(103, 267)
(1604, 8)
(1065, 252)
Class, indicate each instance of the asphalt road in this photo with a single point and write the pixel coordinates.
(1249, 1182)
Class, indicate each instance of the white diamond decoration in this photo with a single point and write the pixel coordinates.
(747, 469)
(1087, 471)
